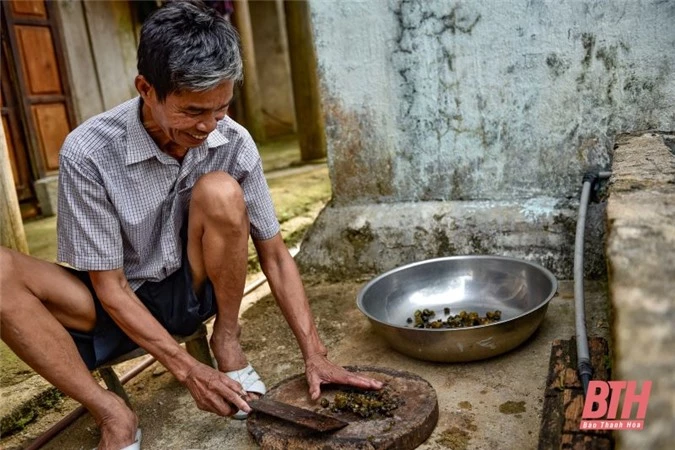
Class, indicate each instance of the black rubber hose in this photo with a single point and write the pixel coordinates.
(584, 367)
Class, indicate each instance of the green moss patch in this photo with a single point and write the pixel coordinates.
(512, 407)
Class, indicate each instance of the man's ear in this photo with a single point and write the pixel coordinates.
(143, 87)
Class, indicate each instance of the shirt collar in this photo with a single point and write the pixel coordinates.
(140, 145)
(216, 139)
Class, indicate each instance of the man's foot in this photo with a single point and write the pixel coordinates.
(118, 425)
(230, 357)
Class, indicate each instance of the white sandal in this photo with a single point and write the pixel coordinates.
(250, 381)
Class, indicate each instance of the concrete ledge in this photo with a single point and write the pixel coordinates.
(353, 241)
(641, 262)
(21, 403)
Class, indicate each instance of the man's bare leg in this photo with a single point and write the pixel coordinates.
(218, 249)
(37, 295)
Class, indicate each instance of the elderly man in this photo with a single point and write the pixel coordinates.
(157, 199)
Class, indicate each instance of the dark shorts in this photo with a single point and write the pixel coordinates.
(172, 301)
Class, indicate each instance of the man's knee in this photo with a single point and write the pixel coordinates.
(220, 197)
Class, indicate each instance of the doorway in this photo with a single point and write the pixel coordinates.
(36, 108)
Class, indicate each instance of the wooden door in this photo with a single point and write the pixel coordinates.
(38, 85)
(14, 133)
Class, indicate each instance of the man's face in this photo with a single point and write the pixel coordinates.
(184, 118)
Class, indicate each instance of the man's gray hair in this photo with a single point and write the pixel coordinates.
(187, 46)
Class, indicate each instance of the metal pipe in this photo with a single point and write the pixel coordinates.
(56, 428)
(147, 362)
(583, 358)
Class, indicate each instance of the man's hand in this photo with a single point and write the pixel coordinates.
(321, 371)
(214, 391)
(284, 279)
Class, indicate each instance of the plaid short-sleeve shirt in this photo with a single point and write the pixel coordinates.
(122, 201)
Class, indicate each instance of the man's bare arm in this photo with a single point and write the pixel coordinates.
(284, 279)
(286, 284)
(138, 323)
(212, 390)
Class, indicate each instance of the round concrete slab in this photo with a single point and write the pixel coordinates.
(411, 424)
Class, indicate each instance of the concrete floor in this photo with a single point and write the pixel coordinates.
(469, 394)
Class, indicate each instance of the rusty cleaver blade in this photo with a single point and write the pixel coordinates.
(299, 416)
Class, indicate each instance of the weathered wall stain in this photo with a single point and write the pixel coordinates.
(588, 42)
(608, 56)
(352, 141)
(445, 247)
(557, 65)
(359, 238)
(433, 122)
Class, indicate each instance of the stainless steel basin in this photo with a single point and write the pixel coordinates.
(521, 290)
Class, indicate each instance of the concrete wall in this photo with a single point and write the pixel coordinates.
(497, 101)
